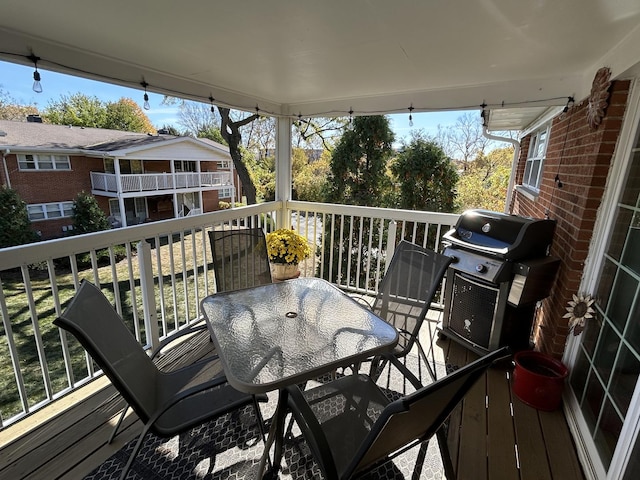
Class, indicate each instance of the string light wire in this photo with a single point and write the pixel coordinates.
(260, 111)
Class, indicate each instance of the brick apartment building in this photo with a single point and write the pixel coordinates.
(134, 177)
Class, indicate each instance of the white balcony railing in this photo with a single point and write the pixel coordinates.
(149, 182)
(167, 267)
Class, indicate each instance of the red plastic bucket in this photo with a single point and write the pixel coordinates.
(538, 379)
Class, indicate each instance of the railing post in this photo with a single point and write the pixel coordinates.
(391, 243)
(148, 294)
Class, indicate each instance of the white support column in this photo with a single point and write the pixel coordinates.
(148, 294)
(173, 185)
(283, 167)
(123, 212)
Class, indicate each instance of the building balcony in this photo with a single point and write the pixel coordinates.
(57, 410)
(155, 182)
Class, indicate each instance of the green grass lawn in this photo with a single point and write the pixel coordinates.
(178, 296)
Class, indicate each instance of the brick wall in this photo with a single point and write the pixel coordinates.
(210, 201)
(581, 158)
(35, 186)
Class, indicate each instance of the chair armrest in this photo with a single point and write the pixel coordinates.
(196, 390)
(173, 337)
(362, 301)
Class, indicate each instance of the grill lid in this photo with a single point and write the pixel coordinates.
(505, 236)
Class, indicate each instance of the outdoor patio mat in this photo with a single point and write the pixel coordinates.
(230, 448)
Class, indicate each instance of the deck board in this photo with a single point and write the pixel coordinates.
(531, 447)
(472, 457)
(519, 442)
(72, 443)
(502, 463)
(560, 447)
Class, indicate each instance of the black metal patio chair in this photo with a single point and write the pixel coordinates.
(405, 295)
(240, 258)
(167, 403)
(352, 427)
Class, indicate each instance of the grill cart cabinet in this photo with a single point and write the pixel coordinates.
(500, 270)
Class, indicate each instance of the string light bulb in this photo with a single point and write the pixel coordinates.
(211, 100)
(146, 104)
(37, 86)
(351, 117)
(411, 115)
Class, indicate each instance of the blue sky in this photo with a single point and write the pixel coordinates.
(17, 80)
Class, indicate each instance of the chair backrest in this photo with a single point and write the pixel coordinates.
(101, 331)
(417, 416)
(239, 258)
(407, 290)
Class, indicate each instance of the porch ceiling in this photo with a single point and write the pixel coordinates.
(325, 58)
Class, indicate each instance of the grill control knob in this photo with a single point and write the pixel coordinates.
(454, 259)
(480, 268)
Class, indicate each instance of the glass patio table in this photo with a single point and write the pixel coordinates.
(272, 336)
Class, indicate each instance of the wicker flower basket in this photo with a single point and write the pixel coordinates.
(284, 271)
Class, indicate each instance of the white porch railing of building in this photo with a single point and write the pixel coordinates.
(149, 182)
(157, 273)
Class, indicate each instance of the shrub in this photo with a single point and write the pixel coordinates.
(87, 215)
(15, 227)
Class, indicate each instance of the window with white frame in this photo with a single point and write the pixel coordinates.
(44, 161)
(225, 192)
(535, 158)
(48, 211)
(224, 164)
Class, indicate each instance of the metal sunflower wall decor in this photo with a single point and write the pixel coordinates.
(578, 312)
(599, 97)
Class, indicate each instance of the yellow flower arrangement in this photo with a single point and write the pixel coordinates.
(286, 246)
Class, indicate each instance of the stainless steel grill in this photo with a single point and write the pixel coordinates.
(500, 270)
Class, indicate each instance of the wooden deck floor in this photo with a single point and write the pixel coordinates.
(492, 435)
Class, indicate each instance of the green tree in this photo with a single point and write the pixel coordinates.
(87, 215)
(263, 173)
(310, 178)
(15, 227)
(10, 109)
(126, 115)
(212, 133)
(81, 110)
(425, 177)
(485, 183)
(358, 177)
(78, 110)
(359, 163)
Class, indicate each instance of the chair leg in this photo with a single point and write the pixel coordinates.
(447, 463)
(420, 458)
(431, 365)
(136, 448)
(256, 407)
(115, 430)
(376, 368)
